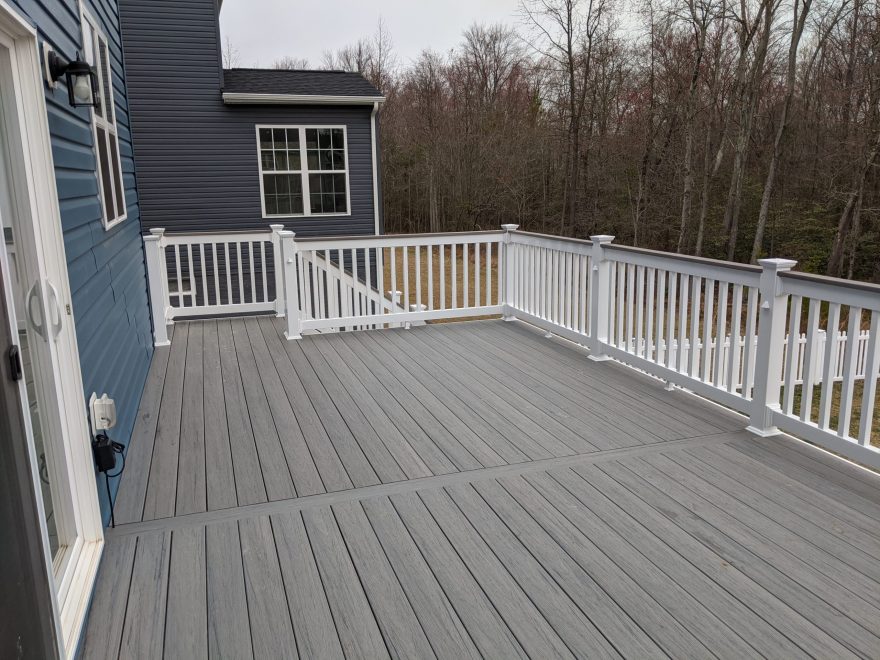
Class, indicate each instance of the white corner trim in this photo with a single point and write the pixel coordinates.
(375, 159)
(233, 98)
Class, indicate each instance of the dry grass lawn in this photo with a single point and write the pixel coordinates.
(418, 277)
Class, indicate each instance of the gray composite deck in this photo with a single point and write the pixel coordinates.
(468, 490)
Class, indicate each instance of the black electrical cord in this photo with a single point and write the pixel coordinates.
(118, 448)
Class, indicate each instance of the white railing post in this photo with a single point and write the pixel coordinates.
(599, 297)
(507, 277)
(280, 297)
(154, 252)
(291, 285)
(771, 345)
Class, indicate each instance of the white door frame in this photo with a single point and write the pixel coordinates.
(36, 192)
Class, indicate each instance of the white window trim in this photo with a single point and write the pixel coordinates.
(303, 172)
(109, 127)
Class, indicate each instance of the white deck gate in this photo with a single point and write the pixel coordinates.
(752, 338)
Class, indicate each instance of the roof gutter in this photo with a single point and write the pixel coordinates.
(240, 98)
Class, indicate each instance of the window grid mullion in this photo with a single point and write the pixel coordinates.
(304, 174)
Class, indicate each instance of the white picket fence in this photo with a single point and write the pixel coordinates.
(752, 338)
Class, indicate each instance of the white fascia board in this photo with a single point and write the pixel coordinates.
(231, 98)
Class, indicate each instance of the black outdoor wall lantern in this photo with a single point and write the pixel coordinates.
(82, 82)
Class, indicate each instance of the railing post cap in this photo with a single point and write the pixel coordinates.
(276, 228)
(158, 232)
(510, 227)
(602, 238)
(777, 264)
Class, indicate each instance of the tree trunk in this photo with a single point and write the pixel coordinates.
(749, 101)
(848, 216)
(796, 31)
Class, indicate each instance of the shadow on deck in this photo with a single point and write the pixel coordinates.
(467, 490)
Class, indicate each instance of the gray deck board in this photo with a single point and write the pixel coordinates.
(430, 406)
(777, 522)
(616, 380)
(412, 494)
(487, 629)
(438, 618)
(767, 538)
(143, 633)
(219, 471)
(455, 391)
(271, 628)
(516, 396)
(461, 444)
(192, 492)
(229, 631)
(104, 629)
(358, 630)
(316, 635)
(303, 470)
(162, 488)
(632, 596)
(133, 483)
(848, 524)
(689, 583)
(273, 462)
(555, 395)
(186, 627)
(482, 418)
(403, 634)
(323, 453)
(595, 397)
(359, 469)
(784, 576)
(567, 619)
(250, 487)
(404, 455)
(433, 460)
(379, 456)
(711, 561)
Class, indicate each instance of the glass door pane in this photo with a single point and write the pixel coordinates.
(30, 318)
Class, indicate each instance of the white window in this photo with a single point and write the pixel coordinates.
(97, 54)
(303, 170)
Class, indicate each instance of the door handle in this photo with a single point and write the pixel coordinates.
(35, 294)
(55, 309)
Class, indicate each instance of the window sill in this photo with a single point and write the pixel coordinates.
(311, 215)
(110, 225)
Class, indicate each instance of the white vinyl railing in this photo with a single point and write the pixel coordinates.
(752, 338)
(422, 277)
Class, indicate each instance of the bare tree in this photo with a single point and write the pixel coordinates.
(291, 63)
(231, 56)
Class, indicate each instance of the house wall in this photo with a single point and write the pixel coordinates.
(197, 158)
(106, 268)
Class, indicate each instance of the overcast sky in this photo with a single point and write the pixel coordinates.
(264, 30)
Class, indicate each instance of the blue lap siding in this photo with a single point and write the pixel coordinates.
(106, 268)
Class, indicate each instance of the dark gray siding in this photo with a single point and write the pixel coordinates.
(196, 157)
(105, 268)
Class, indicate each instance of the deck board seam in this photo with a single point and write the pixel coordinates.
(322, 499)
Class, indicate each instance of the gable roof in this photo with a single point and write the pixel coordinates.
(297, 86)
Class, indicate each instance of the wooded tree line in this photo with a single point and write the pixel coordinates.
(733, 129)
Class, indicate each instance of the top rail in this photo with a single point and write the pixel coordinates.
(847, 292)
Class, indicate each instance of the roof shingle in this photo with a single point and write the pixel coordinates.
(297, 82)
